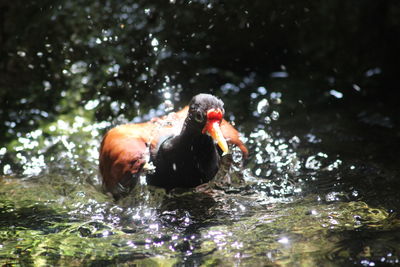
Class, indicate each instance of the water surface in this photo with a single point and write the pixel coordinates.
(315, 106)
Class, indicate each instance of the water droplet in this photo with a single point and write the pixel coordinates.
(275, 115)
(262, 106)
(262, 90)
(229, 87)
(276, 97)
(78, 67)
(115, 107)
(372, 72)
(332, 196)
(154, 42)
(336, 94)
(169, 106)
(356, 87)
(312, 163)
(267, 120)
(279, 74)
(294, 140)
(7, 169)
(91, 104)
(21, 53)
(312, 138)
(334, 165)
(47, 85)
(284, 240)
(237, 156)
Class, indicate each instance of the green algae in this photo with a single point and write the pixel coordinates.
(38, 229)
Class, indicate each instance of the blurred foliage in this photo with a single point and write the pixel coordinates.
(56, 56)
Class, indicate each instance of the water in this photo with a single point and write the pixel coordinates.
(295, 201)
(320, 186)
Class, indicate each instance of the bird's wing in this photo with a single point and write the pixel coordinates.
(232, 136)
(123, 152)
(125, 149)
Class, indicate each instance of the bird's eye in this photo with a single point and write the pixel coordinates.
(198, 117)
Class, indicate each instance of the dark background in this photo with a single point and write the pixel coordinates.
(202, 45)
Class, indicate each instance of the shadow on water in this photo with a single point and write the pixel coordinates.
(311, 86)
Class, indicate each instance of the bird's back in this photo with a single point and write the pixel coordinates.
(125, 149)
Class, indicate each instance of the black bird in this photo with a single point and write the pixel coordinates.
(185, 148)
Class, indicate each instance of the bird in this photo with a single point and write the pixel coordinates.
(179, 150)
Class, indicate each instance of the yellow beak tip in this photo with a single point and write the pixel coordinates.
(214, 130)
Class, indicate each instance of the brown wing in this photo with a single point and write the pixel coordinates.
(123, 153)
(125, 149)
(232, 136)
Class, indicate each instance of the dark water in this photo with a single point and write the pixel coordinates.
(311, 87)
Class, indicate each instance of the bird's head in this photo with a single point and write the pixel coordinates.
(205, 116)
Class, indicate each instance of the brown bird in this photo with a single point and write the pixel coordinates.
(185, 148)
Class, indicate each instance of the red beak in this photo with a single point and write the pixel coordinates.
(212, 127)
